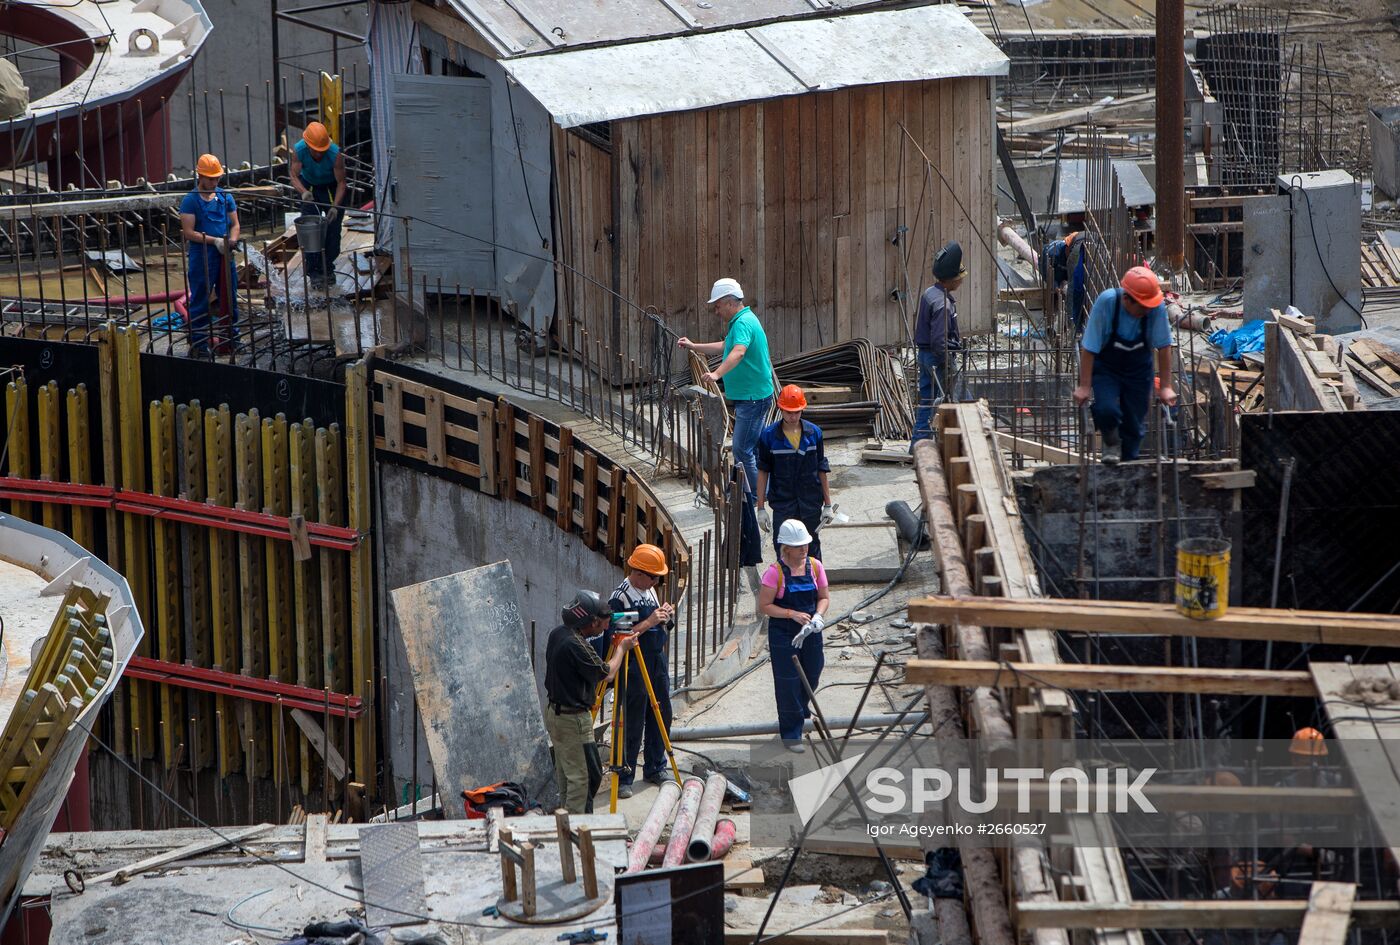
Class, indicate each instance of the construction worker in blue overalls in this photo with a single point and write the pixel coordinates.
(1125, 326)
(794, 596)
(209, 225)
(792, 471)
(646, 567)
(1065, 261)
(318, 175)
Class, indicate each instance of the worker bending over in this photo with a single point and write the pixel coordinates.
(936, 335)
(1065, 263)
(572, 673)
(793, 471)
(209, 225)
(645, 569)
(746, 371)
(318, 174)
(794, 597)
(1125, 326)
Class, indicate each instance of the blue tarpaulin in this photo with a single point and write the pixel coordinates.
(1249, 337)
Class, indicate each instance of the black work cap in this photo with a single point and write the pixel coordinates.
(948, 263)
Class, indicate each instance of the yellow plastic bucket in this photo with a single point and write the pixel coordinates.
(1202, 577)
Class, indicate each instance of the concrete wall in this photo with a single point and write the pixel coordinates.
(1125, 503)
(430, 527)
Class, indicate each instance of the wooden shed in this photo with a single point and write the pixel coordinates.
(819, 159)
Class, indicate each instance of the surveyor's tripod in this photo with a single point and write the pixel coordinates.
(617, 755)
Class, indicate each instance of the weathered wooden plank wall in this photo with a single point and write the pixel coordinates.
(820, 204)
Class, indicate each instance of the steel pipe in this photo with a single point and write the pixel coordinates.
(646, 838)
(712, 732)
(685, 822)
(703, 834)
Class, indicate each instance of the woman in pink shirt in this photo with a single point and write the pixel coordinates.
(795, 597)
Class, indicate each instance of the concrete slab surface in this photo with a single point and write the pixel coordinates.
(860, 552)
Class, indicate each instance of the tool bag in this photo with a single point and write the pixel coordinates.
(507, 795)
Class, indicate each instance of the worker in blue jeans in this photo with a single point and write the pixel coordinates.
(936, 335)
(746, 371)
(209, 225)
(1125, 327)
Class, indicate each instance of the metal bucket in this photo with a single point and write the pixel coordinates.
(1202, 577)
(311, 232)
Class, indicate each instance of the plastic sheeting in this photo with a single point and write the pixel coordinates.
(14, 94)
(1232, 344)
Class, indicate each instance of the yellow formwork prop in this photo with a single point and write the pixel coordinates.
(332, 103)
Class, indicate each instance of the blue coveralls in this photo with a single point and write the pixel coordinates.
(797, 593)
(638, 718)
(935, 335)
(318, 175)
(1122, 383)
(1055, 264)
(209, 273)
(794, 480)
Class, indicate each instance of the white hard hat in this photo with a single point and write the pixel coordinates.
(725, 288)
(793, 532)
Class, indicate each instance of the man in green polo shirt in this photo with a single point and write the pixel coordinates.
(746, 372)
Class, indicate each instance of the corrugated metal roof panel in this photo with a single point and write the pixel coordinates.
(711, 69)
(526, 27)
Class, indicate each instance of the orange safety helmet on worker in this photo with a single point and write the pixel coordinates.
(1308, 742)
(638, 592)
(792, 470)
(1126, 326)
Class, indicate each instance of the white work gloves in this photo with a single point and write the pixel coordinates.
(306, 196)
(222, 244)
(812, 626)
(828, 513)
(765, 520)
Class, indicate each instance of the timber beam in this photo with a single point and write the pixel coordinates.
(1008, 675)
(1138, 618)
(1206, 914)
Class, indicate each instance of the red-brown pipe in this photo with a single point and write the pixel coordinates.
(699, 849)
(685, 822)
(651, 827)
(724, 839)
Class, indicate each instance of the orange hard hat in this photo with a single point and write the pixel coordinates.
(650, 559)
(1262, 877)
(1141, 283)
(792, 398)
(209, 166)
(316, 136)
(1308, 741)
(1224, 779)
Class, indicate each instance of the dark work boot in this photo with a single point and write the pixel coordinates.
(1112, 448)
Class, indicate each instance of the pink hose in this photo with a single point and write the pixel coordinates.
(724, 839)
(154, 298)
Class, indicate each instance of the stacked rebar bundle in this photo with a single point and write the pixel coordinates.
(853, 388)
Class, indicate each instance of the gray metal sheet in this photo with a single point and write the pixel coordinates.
(391, 872)
(520, 27)
(705, 70)
(1137, 189)
(442, 158)
(473, 682)
(1073, 192)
